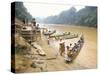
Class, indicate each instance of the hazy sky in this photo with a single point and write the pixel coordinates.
(47, 9)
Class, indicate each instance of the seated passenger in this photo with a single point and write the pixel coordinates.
(70, 47)
(75, 48)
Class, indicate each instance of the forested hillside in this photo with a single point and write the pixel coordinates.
(21, 12)
(86, 16)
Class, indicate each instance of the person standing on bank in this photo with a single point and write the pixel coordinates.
(61, 47)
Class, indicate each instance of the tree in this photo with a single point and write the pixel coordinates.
(21, 12)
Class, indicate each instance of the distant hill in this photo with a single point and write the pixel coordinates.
(86, 16)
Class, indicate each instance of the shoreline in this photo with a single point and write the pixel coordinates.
(67, 25)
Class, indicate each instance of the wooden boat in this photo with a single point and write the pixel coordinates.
(65, 35)
(59, 34)
(72, 54)
(71, 36)
(49, 32)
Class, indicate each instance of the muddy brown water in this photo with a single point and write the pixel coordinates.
(88, 55)
(87, 58)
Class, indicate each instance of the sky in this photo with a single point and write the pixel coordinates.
(43, 10)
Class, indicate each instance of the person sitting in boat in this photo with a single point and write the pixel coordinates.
(69, 48)
(81, 41)
(68, 54)
(68, 51)
(78, 45)
(75, 48)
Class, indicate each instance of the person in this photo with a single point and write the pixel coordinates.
(70, 47)
(48, 41)
(81, 41)
(37, 27)
(74, 49)
(68, 54)
(67, 48)
(24, 21)
(69, 51)
(62, 47)
(78, 45)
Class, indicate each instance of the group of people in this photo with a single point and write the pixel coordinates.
(76, 48)
(70, 51)
(79, 44)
